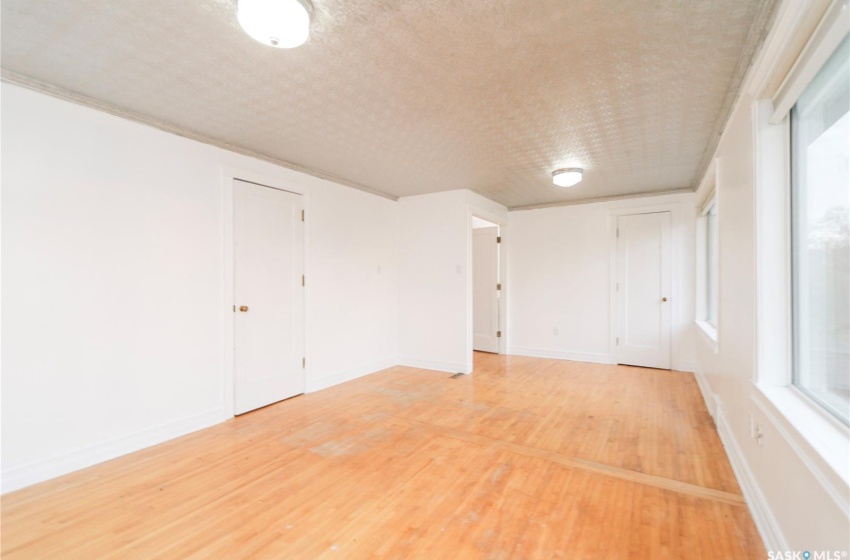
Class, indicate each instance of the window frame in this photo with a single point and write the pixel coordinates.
(817, 436)
(707, 263)
(798, 258)
(711, 295)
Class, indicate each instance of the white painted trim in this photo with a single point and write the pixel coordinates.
(676, 280)
(772, 206)
(777, 54)
(601, 199)
(228, 175)
(92, 103)
(350, 374)
(831, 30)
(475, 209)
(20, 476)
(818, 439)
(560, 355)
(707, 188)
(758, 32)
(688, 367)
(707, 395)
(436, 365)
(672, 207)
(709, 333)
(228, 299)
(701, 254)
(766, 523)
(487, 216)
(502, 224)
(777, 49)
(718, 404)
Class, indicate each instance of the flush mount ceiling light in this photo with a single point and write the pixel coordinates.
(567, 177)
(277, 23)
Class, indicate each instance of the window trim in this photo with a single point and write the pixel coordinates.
(709, 331)
(829, 33)
(797, 256)
(817, 437)
(804, 424)
(712, 262)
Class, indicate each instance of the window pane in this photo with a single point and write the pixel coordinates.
(820, 127)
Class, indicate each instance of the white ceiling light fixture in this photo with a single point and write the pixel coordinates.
(567, 177)
(278, 23)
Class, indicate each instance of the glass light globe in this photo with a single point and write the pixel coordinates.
(278, 23)
(566, 177)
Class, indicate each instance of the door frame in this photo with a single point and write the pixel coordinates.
(503, 277)
(498, 282)
(228, 297)
(676, 280)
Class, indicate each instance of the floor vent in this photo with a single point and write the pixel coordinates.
(455, 376)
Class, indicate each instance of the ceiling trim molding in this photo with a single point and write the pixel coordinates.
(756, 36)
(687, 190)
(92, 103)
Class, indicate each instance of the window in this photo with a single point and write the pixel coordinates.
(820, 236)
(708, 270)
(711, 275)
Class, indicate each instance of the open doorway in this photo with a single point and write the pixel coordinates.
(486, 286)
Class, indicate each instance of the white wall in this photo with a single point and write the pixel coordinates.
(352, 295)
(796, 499)
(435, 280)
(560, 278)
(433, 273)
(113, 284)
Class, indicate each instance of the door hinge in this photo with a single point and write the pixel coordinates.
(303, 280)
(618, 233)
(303, 363)
(498, 334)
(618, 341)
(234, 309)
(498, 286)
(302, 215)
(499, 239)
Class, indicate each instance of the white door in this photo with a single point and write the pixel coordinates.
(268, 253)
(643, 290)
(485, 296)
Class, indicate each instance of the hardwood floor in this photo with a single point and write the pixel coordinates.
(527, 458)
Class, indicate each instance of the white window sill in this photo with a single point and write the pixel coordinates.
(818, 438)
(709, 333)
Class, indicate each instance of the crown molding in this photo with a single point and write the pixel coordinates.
(687, 190)
(756, 36)
(92, 103)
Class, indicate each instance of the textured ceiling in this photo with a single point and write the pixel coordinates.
(416, 96)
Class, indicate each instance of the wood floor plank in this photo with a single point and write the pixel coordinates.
(527, 458)
(590, 466)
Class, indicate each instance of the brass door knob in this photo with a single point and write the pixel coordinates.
(243, 308)
(662, 299)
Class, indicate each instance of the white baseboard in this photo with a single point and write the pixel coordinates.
(709, 397)
(560, 355)
(451, 367)
(689, 367)
(766, 523)
(314, 385)
(31, 473)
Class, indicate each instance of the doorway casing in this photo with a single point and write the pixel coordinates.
(677, 290)
(503, 277)
(228, 176)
